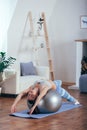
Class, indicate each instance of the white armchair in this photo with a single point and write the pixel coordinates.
(14, 83)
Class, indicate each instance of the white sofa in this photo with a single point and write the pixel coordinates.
(14, 83)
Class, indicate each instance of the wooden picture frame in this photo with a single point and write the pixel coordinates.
(83, 22)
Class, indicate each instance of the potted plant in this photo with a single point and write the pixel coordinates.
(5, 63)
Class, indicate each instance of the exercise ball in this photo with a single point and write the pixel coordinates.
(51, 102)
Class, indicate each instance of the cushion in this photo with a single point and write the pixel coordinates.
(27, 69)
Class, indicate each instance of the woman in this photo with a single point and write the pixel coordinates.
(39, 89)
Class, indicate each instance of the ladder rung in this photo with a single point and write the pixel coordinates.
(51, 71)
(50, 59)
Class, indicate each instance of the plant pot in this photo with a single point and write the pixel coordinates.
(1, 76)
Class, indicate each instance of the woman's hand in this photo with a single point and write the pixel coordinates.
(31, 110)
(13, 108)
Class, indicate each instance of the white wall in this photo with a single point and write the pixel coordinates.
(64, 26)
(63, 20)
(16, 28)
(6, 11)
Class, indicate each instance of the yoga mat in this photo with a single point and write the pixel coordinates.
(65, 107)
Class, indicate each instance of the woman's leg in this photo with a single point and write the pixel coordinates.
(64, 93)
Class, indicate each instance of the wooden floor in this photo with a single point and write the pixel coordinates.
(75, 119)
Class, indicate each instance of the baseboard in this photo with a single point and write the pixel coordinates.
(68, 83)
(73, 87)
(8, 95)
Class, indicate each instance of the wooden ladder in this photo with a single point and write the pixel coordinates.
(46, 40)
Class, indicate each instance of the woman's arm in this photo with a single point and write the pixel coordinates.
(41, 95)
(18, 98)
